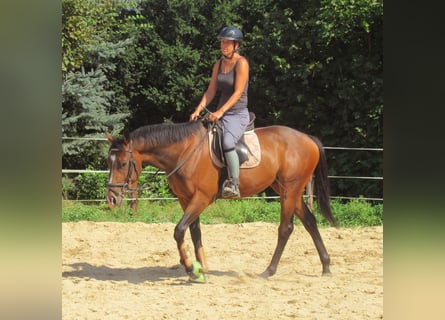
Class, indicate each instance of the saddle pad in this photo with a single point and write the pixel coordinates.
(254, 156)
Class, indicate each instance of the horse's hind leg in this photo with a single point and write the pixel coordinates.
(284, 231)
(310, 224)
(195, 232)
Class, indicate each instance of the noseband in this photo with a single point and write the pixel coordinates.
(124, 185)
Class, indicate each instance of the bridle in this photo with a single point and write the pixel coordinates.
(124, 185)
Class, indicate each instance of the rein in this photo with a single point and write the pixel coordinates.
(183, 161)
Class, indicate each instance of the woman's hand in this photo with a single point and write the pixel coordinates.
(215, 116)
(194, 116)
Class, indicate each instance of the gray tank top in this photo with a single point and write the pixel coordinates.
(225, 83)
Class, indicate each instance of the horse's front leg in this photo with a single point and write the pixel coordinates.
(134, 202)
(134, 197)
(179, 235)
(193, 268)
(192, 209)
(195, 232)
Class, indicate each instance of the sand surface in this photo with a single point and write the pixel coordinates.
(131, 271)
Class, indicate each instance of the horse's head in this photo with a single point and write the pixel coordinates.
(124, 169)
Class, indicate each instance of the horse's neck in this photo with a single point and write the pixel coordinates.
(168, 157)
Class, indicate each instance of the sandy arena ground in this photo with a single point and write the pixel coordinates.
(131, 271)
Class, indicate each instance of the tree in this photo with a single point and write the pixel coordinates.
(315, 65)
(86, 101)
(170, 64)
(318, 67)
(88, 25)
(94, 36)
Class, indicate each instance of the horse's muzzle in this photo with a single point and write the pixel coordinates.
(113, 200)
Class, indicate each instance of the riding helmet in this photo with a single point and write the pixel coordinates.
(231, 33)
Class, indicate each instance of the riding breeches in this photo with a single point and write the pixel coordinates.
(234, 124)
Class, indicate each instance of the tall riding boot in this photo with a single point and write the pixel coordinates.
(230, 186)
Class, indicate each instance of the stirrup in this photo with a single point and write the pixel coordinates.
(230, 190)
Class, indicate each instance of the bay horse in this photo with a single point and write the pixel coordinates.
(289, 158)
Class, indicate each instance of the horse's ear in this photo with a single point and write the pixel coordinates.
(126, 135)
(109, 137)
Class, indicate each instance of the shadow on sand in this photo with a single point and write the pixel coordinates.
(134, 275)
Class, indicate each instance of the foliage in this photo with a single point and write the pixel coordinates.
(153, 185)
(79, 212)
(314, 65)
(94, 35)
(90, 186)
(86, 114)
(350, 214)
(342, 19)
(318, 68)
(241, 211)
(357, 212)
(170, 64)
(93, 185)
(90, 26)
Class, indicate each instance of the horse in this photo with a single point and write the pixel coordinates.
(289, 159)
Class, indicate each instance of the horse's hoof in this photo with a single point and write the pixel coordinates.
(326, 274)
(196, 275)
(199, 279)
(266, 274)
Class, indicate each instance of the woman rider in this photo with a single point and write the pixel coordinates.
(230, 76)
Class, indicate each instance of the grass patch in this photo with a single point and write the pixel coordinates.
(352, 213)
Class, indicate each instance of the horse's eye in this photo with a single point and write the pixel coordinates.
(124, 164)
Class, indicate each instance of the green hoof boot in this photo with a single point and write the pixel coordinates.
(196, 275)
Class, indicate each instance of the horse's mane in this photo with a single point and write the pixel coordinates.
(165, 133)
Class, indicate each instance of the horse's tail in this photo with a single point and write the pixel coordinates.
(322, 185)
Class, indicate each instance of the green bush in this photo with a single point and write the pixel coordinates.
(153, 185)
(90, 185)
(357, 212)
(93, 186)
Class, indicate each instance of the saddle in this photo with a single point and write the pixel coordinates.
(247, 148)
